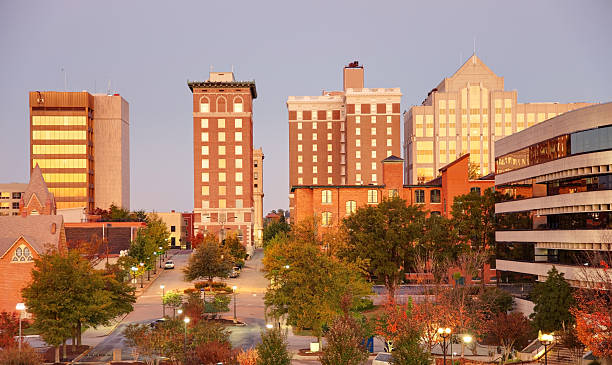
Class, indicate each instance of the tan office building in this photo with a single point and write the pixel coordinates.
(467, 113)
(10, 194)
(81, 143)
(341, 137)
(223, 156)
(177, 227)
(258, 195)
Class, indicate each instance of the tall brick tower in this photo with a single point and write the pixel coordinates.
(223, 156)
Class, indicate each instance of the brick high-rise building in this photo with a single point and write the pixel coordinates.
(223, 155)
(341, 137)
(467, 113)
(81, 143)
(258, 195)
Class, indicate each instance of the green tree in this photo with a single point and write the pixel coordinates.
(173, 299)
(236, 249)
(553, 300)
(494, 300)
(306, 284)
(474, 219)
(208, 261)
(345, 339)
(384, 236)
(437, 246)
(273, 349)
(274, 228)
(408, 351)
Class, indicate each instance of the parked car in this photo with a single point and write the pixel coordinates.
(156, 322)
(235, 272)
(383, 358)
(169, 265)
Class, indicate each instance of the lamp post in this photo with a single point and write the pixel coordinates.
(134, 269)
(142, 276)
(148, 269)
(20, 307)
(269, 326)
(467, 339)
(155, 263)
(186, 320)
(444, 333)
(160, 256)
(234, 290)
(179, 311)
(546, 339)
(163, 288)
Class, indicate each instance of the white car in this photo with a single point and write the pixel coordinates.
(169, 265)
(383, 358)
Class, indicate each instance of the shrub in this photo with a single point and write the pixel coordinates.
(215, 352)
(344, 343)
(273, 349)
(248, 357)
(9, 328)
(12, 356)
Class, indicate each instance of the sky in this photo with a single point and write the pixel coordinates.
(147, 50)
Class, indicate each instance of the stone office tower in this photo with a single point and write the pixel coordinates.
(223, 156)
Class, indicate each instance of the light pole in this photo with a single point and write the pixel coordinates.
(546, 339)
(163, 288)
(155, 263)
(269, 326)
(234, 290)
(444, 333)
(467, 339)
(134, 269)
(186, 320)
(148, 269)
(20, 307)
(179, 311)
(142, 275)
(160, 256)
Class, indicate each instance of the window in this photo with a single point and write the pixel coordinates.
(314, 125)
(326, 219)
(172, 228)
(314, 136)
(205, 177)
(239, 176)
(393, 193)
(300, 115)
(435, 212)
(329, 147)
(222, 190)
(435, 196)
(329, 136)
(238, 163)
(373, 154)
(256, 175)
(22, 254)
(238, 107)
(222, 177)
(315, 181)
(205, 190)
(357, 154)
(372, 196)
(239, 150)
(373, 143)
(389, 143)
(239, 203)
(351, 206)
(389, 130)
(357, 165)
(205, 150)
(299, 125)
(326, 196)
(204, 106)
(419, 196)
(205, 164)
(238, 123)
(222, 203)
(16, 195)
(239, 190)
(204, 136)
(357, 119)
(373, 177)
(329, 180)
(373, 131)
(300, 180)
(329, 158)
(358, 178)
(358, 143)
(358, 131)
(300, 170)
(221, 136)
(329, 125)
(300, 158)
(373, 165)
(221, 123)
(314, 158)
(299, 148)
(388, 119)
(314, 147)
(475, 190)
(238, 137)
(222, 150)
(204, 123)
(329, 116)
(314, 169)
(329, 169)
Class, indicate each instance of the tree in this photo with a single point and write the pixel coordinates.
(208, 261)
(495, 300)
(553, 300)
(510, 331)
(473, 218)
(273, 349)
(26, 356)
(473, 171)
(384, 236)
(236, 250)
(408, 351)
(173, 299)
(345, 339)
(9, 328)
(305, 283)
(274, 228)
(437, 247)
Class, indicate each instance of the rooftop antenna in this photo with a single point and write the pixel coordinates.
(474, 54)
(232, 68)
(65, 80)
(108, 88)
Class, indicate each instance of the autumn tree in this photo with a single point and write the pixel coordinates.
(273, 349)
(553, 300)
(510, 331)
(236, 250)
(208, 261)
(384, 236)
(274, 228)
(25, 356)
(9, 328)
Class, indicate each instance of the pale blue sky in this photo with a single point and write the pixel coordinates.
(547, 50)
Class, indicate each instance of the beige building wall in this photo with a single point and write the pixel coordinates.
(467, 113)
(9, 198)
(258, 195)
(177, 228)
(112, 151)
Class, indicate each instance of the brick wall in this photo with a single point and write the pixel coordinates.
(15, 276)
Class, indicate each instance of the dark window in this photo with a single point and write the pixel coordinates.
(435, 196)
(172, 228)
(15, 205)
(255, 164)
(173, 241)
(435, 212)
(419, 196)
(475, 190)
(16, 195)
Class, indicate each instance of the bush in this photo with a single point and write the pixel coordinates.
(27, 356)
(273, 349)
(363, 304)
(219, 304)
(9, 328)
(215, 352)
(248, 357)
(408, 351)
(344, 343)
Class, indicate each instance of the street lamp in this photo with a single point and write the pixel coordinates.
(163, 288)
(134, 269)
(186, 320)
(154, 263)
(21, 308)
(142, 276)
(286, 266)
(148, 269)
(546, 339)
(234, 290)
(160, 256)
(179, 311)
(269, 326)
(467, 339)
(444, 333)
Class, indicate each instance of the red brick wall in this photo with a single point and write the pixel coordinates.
(15, 276)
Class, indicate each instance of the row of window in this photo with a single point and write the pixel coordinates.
(223, 203)
(221, 163)
(374, 108)
(59, 135)
(65, 177)
(221, 177)
(221, 123)
(373, 119)
(221, 104)
(222, 190)
(373, 142)
(315, 180)
(69, 192)
(10, 195)
(68, 149)
(60, 163)
(58, 120)
(221, 150)
(9, 205)
(221, 136)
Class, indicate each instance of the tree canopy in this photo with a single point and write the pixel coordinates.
(553, 300)
(209, 260)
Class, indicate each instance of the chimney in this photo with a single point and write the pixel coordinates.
(353, 76)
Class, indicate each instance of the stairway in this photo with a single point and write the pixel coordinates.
(558, 355)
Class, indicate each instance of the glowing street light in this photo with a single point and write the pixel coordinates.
(186, 320)
(269, 326)
(546, 339)
(444, 333)
(21, 308)
(466, 339)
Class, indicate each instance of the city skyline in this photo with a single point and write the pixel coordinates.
(284, 57)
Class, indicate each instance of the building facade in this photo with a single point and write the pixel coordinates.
(85, 159)
(558, 175)
(10, 194)
(223, 155)
(467, 113)
(177, 225)
(258, 195)
(340, 137)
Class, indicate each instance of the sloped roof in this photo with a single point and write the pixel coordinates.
(393, 158)
(36, 229)
(38, 187)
